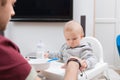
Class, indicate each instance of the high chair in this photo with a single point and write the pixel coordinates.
(101, 67)
(55, 72)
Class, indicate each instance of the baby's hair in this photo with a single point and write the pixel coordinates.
(73, 25)
(3, 2)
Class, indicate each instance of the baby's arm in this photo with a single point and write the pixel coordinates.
(51, 55)
(89, 57)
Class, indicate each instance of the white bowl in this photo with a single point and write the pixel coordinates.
(39, 64)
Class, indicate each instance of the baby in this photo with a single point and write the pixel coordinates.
(74, 47)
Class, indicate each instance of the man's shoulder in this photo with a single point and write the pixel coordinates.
(6, 44)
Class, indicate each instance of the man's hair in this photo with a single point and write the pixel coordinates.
(3, 2)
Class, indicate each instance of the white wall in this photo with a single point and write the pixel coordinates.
(27, 34)
(107, 28)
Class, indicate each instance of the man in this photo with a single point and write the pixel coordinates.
(12, 65)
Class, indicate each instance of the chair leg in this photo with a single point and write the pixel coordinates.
(110, 74)
(106, 78)
(106, 75)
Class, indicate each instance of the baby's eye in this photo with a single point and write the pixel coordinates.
(74, 38)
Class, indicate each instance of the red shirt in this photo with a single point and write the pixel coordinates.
(12, 64)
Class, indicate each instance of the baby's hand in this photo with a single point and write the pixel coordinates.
(46, 55)
(83, 65)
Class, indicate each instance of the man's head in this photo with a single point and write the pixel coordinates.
(6, 11)
(73, 33)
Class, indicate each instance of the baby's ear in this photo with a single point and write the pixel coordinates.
(81, 36)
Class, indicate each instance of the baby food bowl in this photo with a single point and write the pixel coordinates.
(39, 64)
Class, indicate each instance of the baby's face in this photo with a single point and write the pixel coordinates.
(72, 38)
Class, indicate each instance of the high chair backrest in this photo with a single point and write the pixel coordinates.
(96, 46)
